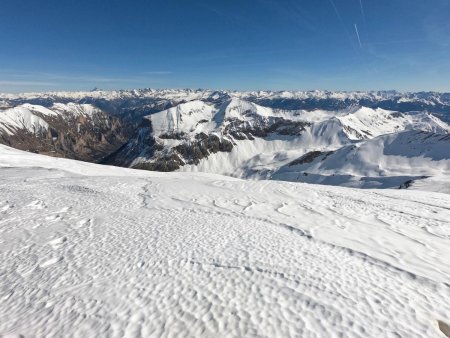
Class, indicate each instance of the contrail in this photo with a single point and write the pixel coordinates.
(342, 22)
(337, 11)
(357, 34)
(362, 10)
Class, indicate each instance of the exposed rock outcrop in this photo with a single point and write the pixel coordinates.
(80, 132)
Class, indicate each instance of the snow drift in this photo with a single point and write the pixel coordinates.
(90, 250)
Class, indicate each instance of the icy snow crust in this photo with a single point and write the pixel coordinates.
(97, 251)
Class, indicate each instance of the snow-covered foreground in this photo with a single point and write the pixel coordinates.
(88, 250)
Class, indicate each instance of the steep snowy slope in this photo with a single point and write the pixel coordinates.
(191, 117)
(26, 117)
(134, 253)
(242, 134)
(71, 109)
(385, 161)
(243, 139)
(72, 130)
(367, 123)
(190, 132)
(32, 118)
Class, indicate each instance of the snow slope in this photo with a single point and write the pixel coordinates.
(368, 123)
(89, 250)
(71, 130)
(385, 161)
(262, 140)
(30, 117)
(24, 117)
(74, 110)
(265, 129)
(186, 117)
(132, 105)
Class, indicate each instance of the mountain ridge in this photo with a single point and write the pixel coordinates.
(79, 131)
(242, 139)
(249, 135)
(134, 104)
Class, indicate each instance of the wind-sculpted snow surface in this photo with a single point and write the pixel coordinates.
(96, 251)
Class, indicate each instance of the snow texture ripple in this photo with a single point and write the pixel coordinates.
(88, 250)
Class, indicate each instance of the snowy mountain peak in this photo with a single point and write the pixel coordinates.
(241, 109)
(184, 118)
(75, 109)
(243, 134)
(243, 139)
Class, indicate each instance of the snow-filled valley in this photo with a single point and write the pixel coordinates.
(98, 251)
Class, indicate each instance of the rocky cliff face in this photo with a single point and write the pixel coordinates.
(244, 134)
(71, 130)
(243, 139)
(192, 132)
(168, 150)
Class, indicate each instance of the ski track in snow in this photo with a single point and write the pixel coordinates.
(201, 255)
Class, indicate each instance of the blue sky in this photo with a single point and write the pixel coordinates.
(227, 44)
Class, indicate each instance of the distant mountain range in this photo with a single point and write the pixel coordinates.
(362, 139)
(134, 104)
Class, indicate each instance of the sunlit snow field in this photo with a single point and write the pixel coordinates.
(96, 251)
